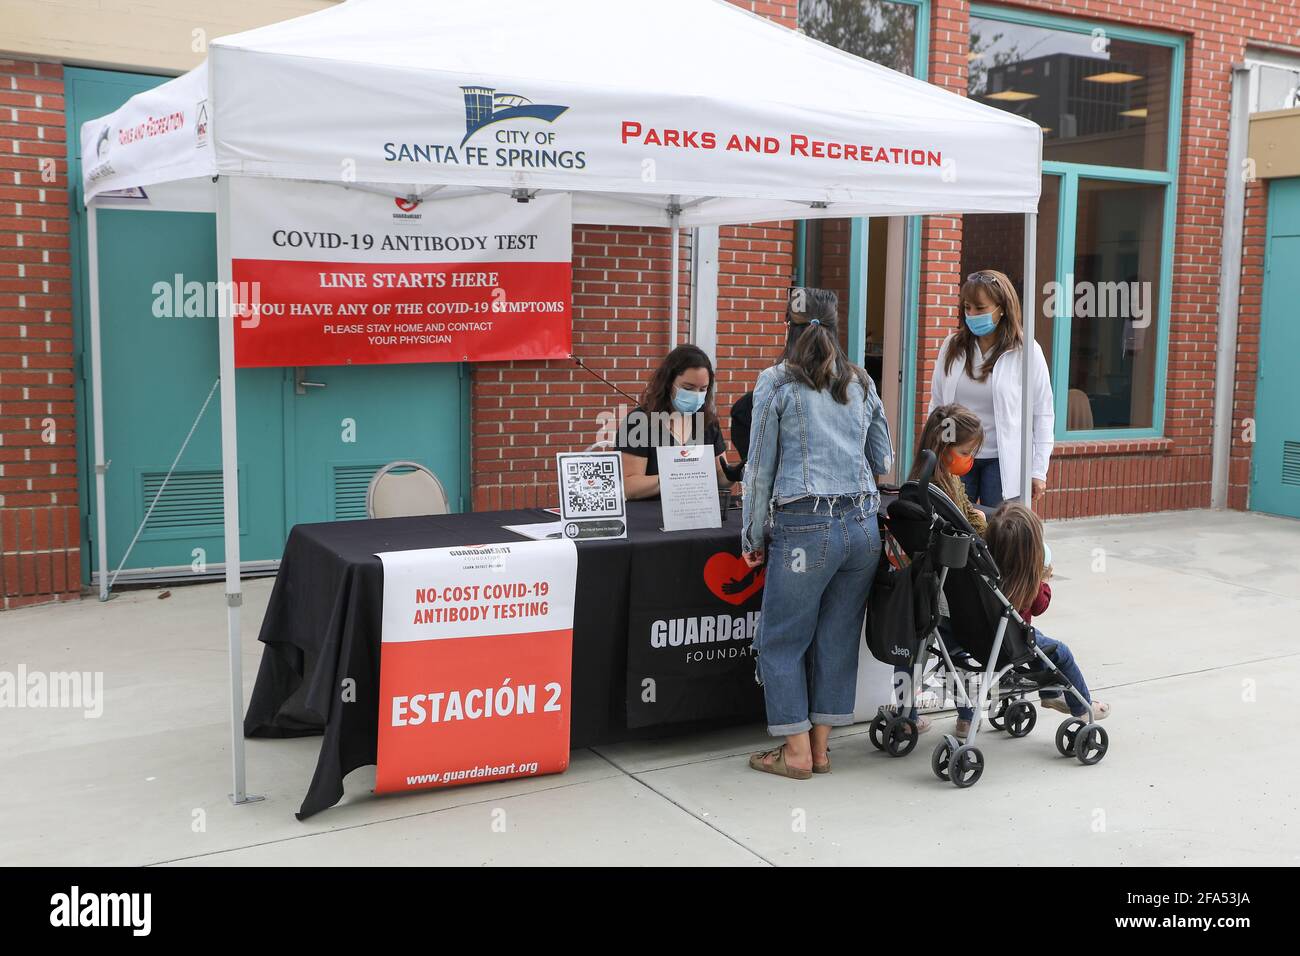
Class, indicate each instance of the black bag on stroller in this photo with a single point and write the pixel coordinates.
(898, 609)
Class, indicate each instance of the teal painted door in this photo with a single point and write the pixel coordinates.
(353, 419)
(157, 373)
(1275, 469)
(158, 370)
(298, 460)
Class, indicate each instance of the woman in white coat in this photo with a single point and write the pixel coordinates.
(979, 367)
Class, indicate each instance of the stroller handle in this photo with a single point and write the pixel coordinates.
(928, 463)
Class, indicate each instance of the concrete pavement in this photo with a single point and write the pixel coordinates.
(1186, 623)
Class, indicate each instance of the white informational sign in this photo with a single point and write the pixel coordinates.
(688, 487)
(592, 502)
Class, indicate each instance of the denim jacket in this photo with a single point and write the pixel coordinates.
(803, 443)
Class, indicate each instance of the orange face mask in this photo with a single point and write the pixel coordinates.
(958, 464)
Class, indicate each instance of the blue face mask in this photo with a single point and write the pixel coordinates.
(981, 324)
(688, 403)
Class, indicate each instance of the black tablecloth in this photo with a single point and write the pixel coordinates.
(320, 667)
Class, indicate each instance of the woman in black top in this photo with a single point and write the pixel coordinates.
(676, 409)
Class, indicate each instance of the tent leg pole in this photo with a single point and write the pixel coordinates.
(97, 401)
(1026, 398)
(230, 497)
(673, 280)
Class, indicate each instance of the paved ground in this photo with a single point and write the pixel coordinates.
(1186, 623)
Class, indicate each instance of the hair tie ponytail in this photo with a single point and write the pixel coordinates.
(814, 321)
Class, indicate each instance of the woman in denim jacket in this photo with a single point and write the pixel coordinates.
(818, 439)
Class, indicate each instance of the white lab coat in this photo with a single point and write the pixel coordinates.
(1006, 409)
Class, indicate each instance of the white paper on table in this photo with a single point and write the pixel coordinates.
(688, 487)
(538, 531)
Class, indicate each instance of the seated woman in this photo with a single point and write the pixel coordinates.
(676, 409)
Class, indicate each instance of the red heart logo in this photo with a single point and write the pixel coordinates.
(731, 579)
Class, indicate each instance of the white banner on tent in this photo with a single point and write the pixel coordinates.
(334, 276)
(157, 136)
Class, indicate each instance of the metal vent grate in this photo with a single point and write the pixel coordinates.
(1291, 462)
(350, 484)
(192, 499)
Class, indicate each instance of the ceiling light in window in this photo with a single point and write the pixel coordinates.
(1113, 77)
(1012, 96)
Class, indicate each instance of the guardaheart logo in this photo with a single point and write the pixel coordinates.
(485, 106)
(731, 579)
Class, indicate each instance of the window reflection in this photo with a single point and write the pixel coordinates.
(1100, 101)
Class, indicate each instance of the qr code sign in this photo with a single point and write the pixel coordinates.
(591, 488)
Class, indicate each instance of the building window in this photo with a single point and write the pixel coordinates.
(1108, 101)
(1274, 81)
(1112, 361)
(1100, 100)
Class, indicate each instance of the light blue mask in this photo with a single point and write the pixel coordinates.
(688, 403)
(981, 324)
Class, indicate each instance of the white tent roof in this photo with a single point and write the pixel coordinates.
(613, 100)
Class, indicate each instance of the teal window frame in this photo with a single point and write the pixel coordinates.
(856, 312)
(1070, 174)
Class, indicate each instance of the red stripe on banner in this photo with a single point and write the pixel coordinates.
(426, 740)
(331, 313)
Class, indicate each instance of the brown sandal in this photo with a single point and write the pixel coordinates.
(777, 766)
(823, 767)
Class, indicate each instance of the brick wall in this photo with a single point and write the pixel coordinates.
(39, 517)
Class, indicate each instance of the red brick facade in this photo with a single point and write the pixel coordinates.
(522, 412)
(39, 515)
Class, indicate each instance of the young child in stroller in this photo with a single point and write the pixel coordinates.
(1015, 539)
(954, 433)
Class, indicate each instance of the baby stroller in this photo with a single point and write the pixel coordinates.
(945, 556)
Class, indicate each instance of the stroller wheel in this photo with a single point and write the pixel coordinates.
(1021, 717)
(1066, 734)
(997, 718)
(876, 732)
(901, 735)
(1091, 744)
(966, 767)
(942, 755)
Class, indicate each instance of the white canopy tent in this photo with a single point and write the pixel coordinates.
(675, 113)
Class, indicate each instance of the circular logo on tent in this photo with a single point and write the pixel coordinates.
(407, 205)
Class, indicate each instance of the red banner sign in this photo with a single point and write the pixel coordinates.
(328, 276)
(475, 664)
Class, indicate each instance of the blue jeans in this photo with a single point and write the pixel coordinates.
(984, 482)
(1060, 653)
(957, 654)
(820, 563)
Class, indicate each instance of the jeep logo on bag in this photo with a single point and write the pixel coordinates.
(900, 651)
